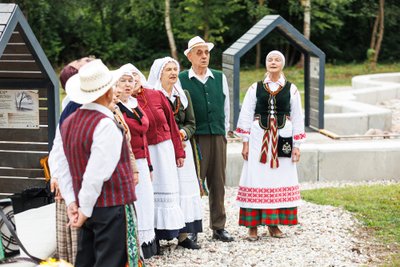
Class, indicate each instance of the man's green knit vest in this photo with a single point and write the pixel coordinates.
(208, 102)
(268, 103)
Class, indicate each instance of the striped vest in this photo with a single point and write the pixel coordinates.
(77, 135)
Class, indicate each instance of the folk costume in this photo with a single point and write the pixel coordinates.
(100, 176)
(138, 124)
(189, 190)
(165, 148)
(271, 121)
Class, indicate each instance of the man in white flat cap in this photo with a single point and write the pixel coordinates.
(209, 91)
(98, 184)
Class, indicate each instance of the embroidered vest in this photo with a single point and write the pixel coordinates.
(77, 135)
(269, 103)
(208, 102)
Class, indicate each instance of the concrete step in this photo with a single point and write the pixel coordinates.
(325, 159)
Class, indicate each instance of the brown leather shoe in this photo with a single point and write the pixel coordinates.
(275, 232)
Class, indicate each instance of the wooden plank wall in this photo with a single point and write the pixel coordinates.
(21, 149)
(20, 154)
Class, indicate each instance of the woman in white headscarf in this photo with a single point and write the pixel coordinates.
(164, 77)
(272, 127)
(166, 153)
(138, 124)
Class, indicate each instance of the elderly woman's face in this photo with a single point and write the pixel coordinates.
(138, 84)
(117, 93)
(125, 85)
(169, 74)
(274, 64)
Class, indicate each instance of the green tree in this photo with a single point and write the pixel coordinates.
(204, 18)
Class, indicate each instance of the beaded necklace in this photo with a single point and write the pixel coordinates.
(178, 104)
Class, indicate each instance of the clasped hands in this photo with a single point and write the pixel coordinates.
(75, 216)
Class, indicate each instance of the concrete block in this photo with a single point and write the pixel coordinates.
(332, 108)
(346, 123)
(349, 161)
(368, 95)
(307, 168)
(234, 164)
(382, 120)
(374, 96)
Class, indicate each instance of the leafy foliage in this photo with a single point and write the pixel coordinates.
(121, 31)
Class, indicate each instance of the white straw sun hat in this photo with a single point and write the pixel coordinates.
(197, 41)
(92, 81)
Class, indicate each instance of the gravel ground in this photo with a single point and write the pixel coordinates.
(325, 236)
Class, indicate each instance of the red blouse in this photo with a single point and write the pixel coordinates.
(161, 118)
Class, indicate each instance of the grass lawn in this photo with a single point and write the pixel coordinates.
(335, 75)
(376, 206)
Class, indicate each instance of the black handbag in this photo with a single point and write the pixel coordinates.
(32, 198)
(285, 146)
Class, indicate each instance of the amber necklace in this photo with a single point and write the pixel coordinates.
(266, 87)
(178, 104)
(143, 95)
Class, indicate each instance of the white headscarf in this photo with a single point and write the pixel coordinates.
(155, 78)
(132, 69)
(275, 53)
(282, 78)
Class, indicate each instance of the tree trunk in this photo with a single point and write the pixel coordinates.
(381, 29)
(306, 25)
(377, 34)
(170, 34)
(258, 46)
(206, 22)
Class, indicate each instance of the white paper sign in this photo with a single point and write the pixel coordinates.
(19, 109)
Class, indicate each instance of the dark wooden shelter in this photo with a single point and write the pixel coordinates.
(314, 66)
(24, 71)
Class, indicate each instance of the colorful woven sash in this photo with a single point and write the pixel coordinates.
(273, 133)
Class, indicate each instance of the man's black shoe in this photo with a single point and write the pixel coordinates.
(159, 252)
(193, 237)
(189, 244)
(222, 235)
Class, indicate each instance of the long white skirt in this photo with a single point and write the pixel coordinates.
(145, 203)
(168, 214)
(189, 188)
(260, 186)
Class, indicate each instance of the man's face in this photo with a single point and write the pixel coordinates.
(199, 56)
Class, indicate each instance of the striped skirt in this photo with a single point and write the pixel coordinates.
(67, 237)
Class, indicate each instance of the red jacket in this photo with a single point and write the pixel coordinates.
(138, 124)
(162, 122)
